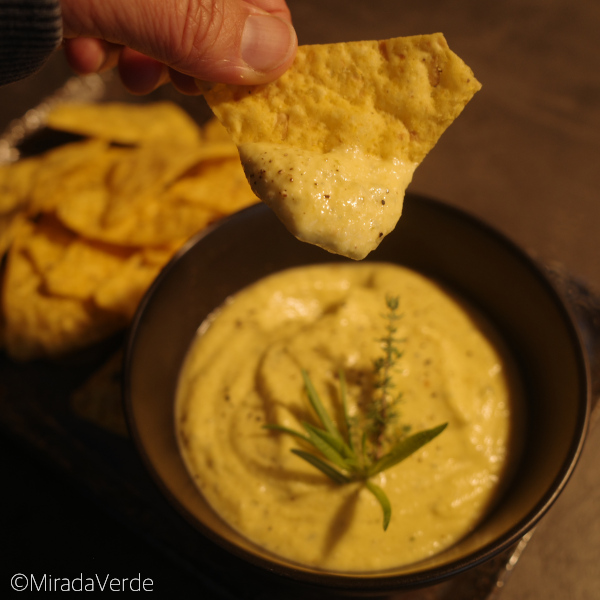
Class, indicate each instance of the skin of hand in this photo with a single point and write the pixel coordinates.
(156, 41)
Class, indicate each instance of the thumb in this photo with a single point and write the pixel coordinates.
(229, 41)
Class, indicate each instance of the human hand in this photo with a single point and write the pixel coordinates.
(156, 41)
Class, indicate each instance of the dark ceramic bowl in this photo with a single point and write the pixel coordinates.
(432, 238)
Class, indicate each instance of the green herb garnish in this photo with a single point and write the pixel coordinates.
(366, 447)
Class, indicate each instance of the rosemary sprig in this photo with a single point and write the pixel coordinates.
(335, 453)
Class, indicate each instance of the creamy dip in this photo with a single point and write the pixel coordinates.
(344, 201)
(244, 370)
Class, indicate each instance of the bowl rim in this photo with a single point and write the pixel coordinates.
(383, 580)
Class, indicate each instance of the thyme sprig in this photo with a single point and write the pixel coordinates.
(381, 411)
(364, 449)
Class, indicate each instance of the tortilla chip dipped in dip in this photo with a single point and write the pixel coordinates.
(333, 144)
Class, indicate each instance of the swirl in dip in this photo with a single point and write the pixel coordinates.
(244, 370)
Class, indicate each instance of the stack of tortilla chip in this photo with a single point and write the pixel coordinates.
(87, 226)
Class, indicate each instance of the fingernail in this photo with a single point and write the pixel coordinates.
(267, 42)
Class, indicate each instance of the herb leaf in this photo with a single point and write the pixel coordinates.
(405, 448)
(283, 429)
(326, 468)
(315, 402)
(383, 501)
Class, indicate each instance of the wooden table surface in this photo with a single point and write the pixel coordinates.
(523, 157)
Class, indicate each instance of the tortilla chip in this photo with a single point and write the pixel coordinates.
(124, 199)
(44, 241)
(65, 170)
(83, 268)
(10, 226)
(391, 98)
(220, 186)
(38, 324)
(72, 266)
(127, 123)
(15, 184)
(151, 169)
(122, 292)
(333, 144)
(159, 256)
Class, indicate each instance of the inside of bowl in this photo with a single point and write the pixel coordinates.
(444, 243)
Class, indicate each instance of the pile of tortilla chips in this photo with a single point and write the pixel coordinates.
(86, 227)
